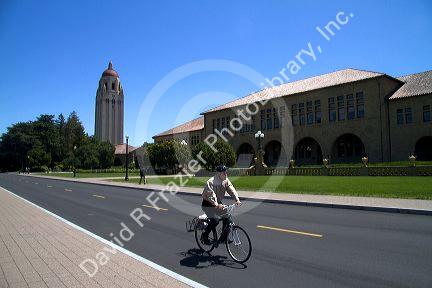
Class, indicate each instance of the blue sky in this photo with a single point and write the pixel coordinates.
(53, 52)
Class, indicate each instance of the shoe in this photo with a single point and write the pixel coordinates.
(205, 240)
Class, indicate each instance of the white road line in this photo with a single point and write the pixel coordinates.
(164, 270)
(156, 208)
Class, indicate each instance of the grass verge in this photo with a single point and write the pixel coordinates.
(383, 187)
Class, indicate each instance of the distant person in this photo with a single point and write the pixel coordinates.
(142, 175)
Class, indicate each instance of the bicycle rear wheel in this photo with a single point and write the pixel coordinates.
(238, 244)
(199, 240)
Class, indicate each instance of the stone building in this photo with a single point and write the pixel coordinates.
(342, 116)
(109, 107)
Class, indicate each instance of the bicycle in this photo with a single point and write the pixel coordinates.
(237, 242)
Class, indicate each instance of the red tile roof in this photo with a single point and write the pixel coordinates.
(305, 85)
(193, 125)
(415, 85)
(120, 149)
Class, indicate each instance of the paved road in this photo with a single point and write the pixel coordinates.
(357, 248)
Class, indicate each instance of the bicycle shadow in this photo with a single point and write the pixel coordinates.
(195, 258)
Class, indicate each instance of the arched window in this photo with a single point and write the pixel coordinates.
(348, 148)
(308, 151)
(423, 148)
(245, 155)
(273, 152)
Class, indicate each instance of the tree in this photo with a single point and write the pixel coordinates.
(38, 158)
(87, 156)
(69, 161)
(74, 132)
(106, 154)
(183, 153)
(15, 145)
(45, 130)
(163, 155)
(225, 155)
(61, 124)
(142, 155)
(50, 142)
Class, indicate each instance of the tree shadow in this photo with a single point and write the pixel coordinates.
(195, 258)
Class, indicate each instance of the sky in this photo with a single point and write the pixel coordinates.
(177, 59)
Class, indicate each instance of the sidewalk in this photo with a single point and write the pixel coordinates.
(411, 206)
(39, 250)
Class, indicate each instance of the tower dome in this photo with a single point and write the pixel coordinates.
(110, 71)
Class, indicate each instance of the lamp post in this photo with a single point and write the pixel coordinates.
(182, 159)
(127, 158)
(74, 161)
(412, 158)
(259, 164)
(259, 136)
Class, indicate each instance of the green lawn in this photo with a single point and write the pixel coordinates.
(386, 187)
(88, 175)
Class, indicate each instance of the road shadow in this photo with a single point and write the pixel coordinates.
(195, 258)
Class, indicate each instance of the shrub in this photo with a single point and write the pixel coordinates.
(225, 155)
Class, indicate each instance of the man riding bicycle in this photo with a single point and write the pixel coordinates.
(214, 192)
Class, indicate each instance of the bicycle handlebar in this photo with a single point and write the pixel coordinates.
(229, 209)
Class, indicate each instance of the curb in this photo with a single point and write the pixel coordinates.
(274, 201)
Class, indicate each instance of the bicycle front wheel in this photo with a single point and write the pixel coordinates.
(238, 244)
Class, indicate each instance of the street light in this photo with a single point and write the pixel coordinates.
(182, 165)
(259, 136)
(127, 158)
(74, 161)
(259, 160)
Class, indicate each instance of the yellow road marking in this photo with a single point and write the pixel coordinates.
(159, 209)
(289, 231)
(68, 190)
(99, 196)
